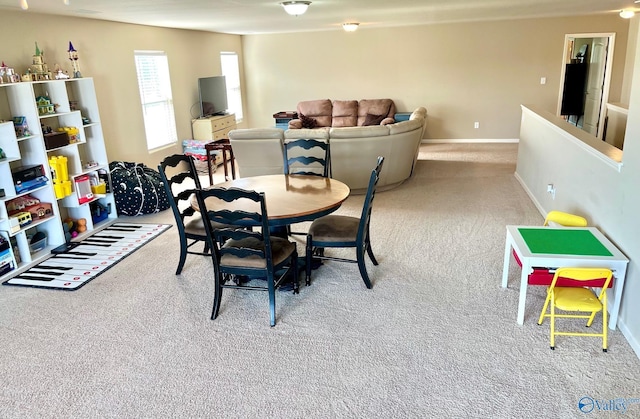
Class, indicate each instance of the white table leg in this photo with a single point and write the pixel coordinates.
(507, 260)
(620, 271)
(524, 277)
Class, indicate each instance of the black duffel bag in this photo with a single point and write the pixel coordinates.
(137, 189)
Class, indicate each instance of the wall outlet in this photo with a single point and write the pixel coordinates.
(543, 80)
(476, 124)
(552, 190)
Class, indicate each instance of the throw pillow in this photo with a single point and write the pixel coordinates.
(307, 122)
(295, 124)
(373, 119)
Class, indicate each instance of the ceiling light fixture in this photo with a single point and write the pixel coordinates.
(295, 8)
(350, 26)
(25, 6)
(627, 14)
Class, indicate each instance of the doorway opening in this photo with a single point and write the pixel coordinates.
(585, 80)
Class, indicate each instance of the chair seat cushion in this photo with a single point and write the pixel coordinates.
(281, 249)
(576, 299)
(335, 228)
(194, 225)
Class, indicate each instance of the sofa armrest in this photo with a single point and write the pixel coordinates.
(405, 126)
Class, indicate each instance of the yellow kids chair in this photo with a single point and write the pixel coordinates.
(576, 298)
(564, 219)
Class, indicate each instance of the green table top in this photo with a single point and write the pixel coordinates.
(563, 242)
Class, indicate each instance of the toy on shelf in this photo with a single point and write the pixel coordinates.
(26, 178)
(45, 107)
(6, 257)
(39, 70)
(3, 72)
(20, 126)
(31, 204)
(73, 227)
(73, 57)
(99, 212)
(83, 189)
(37, 241)
(98, 186)
(8, 74)
(72, 132)
(60, 175)
(60, 74)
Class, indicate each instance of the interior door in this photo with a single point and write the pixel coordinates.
(595, 85)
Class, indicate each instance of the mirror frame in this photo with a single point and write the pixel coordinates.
(607, 73)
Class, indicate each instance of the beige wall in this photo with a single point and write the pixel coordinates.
(461, 73)
(106, 53)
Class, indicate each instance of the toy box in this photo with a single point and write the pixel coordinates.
(55, 140)
(6, 259)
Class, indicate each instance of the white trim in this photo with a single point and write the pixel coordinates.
(628, 334)
(469, 140)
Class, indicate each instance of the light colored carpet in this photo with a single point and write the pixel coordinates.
(435, 337)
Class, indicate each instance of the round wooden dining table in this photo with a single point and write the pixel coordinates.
(289, 198)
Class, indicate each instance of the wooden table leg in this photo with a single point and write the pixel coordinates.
(208, 152)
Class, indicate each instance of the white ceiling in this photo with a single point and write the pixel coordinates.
(264, 16)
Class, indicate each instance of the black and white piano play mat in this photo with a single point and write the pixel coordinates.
(74, 265)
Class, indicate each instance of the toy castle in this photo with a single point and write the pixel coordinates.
(39, 69)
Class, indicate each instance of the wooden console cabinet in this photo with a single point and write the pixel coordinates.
(213, 128)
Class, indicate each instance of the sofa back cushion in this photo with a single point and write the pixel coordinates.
(320, 110)
(345, 113)
(375, 107)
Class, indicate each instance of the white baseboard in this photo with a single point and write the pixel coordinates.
(469, 140)
(633, 342)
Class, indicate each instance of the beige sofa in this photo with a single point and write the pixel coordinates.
(354, 150)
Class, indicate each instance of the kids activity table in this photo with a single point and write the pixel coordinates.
(556, 247)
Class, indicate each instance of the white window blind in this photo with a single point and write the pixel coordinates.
(231, 71)
(154, 82)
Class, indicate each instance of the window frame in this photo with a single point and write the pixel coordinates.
(234, 85)
(156, 99)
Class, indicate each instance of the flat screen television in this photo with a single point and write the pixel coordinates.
(213, 96)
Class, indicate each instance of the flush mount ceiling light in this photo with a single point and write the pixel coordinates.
(24, 5)
(627, 14)
(350, 26)
(295, 8)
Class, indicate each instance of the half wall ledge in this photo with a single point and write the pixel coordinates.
(602, 150)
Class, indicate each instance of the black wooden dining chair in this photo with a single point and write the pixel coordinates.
(307, 157)
(180, 179)
(345, 231)
(246, 253)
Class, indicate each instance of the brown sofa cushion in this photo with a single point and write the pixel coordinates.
(345, 113)
(384, 107)
(320, 110)
(373, 119)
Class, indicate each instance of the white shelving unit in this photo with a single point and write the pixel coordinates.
(19, 99)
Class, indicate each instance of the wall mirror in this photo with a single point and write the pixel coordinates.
(585, 80)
